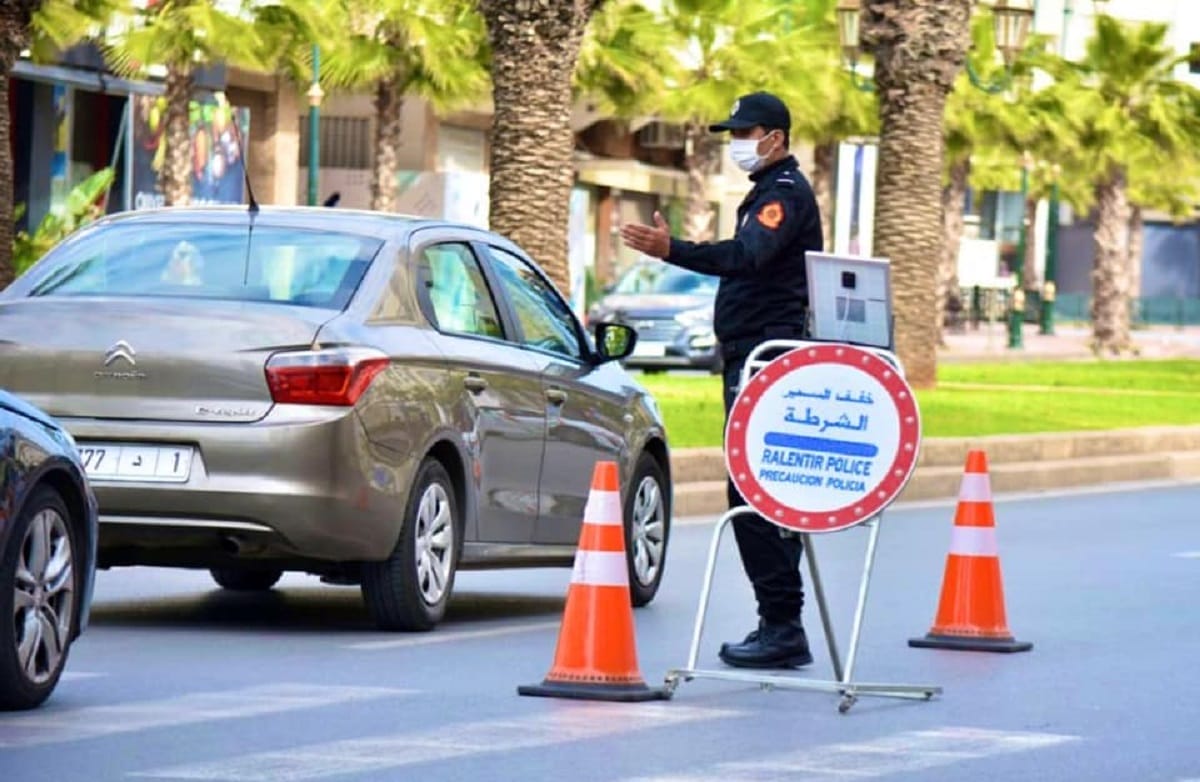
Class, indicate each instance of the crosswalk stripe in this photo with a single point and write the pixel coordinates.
(49, 725)
(897, 753)
(449, 637)
(68, 676)
(563, 723)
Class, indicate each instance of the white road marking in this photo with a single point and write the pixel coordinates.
(897, 753)
(563, 723)
(49, 725)
(68, 676)
(1187, 555)
(444, 637)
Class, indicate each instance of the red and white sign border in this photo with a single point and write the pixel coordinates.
(873, 501)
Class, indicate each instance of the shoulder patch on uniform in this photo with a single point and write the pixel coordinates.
(771, 215)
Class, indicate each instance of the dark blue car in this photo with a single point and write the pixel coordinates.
(48, 533)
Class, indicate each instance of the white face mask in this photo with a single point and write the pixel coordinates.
(744, 153)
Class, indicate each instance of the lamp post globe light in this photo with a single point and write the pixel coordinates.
(910, 106)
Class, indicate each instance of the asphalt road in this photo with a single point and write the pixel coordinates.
(177, 680)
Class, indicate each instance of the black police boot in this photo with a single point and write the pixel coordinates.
(750, 638)
(773, 645)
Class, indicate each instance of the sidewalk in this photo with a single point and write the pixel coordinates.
(990, 342)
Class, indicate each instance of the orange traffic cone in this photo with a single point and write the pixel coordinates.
(596, 658)
(970, 613)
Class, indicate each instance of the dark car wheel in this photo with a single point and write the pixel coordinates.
(39, 603)
(246, 580)
(647, 527)
(410, 589)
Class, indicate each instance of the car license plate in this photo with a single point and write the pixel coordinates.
(650, 350)
(135, 462)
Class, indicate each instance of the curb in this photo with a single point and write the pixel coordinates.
(1038, 462)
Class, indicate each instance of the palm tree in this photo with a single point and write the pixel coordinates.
(1120, 102)
(15, 16)
(398, 48)
(730, 47)
(535, 47)
(834, 109)
(919, 48)
(182, 35)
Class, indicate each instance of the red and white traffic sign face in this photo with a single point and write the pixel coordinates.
(823, 438)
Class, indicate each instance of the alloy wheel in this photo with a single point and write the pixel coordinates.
(648, 530)
(44, 603)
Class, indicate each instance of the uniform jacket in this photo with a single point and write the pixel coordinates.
(763, 291)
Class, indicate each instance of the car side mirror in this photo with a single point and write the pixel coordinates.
(614, 341)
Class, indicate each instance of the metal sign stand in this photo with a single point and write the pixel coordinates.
(844, 683)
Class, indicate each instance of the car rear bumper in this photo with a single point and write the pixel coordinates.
(302, 483)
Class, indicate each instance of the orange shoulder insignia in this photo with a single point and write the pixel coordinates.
(771, 215)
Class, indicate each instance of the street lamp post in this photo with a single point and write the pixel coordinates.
(315, 94)
(1050, 288)
(1016, 315)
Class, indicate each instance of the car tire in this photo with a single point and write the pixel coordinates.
(50, 594)
(246, 579)
(410, 589)
(647, 528)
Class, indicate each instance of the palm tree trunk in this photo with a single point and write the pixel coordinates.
(388, 103)
(14, 36)
(703, 161)
(1137, 242)
(919, 47)
(824, 162)
(953, 196)
(534, 50)
(1110, 277)
(175, 177)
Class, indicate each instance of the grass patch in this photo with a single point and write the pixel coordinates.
(999, 398)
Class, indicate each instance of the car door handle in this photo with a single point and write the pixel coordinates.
(556, 396)
(474, 383)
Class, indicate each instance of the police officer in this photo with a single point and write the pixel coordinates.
(763, 295)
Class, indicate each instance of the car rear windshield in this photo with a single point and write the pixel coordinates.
(661, 278)
(211, 261)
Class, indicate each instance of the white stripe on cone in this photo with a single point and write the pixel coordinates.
(976, 487)
(973, 541)
(603, 508)
(600, 568)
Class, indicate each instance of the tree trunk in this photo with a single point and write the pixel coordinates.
(1137, 241)
(703, 161)
(14, 36)
(824, 163)
(919, 47)
(953, 196)
(1110, 277)
(535, 46)
(175, 177)
(388, 104)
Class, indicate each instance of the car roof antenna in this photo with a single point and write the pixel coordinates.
(237, 131)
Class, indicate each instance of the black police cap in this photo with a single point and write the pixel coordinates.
(756, 109)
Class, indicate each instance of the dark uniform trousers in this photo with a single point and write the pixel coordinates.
(771, 559)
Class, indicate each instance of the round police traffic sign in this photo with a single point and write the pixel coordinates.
(823, 438)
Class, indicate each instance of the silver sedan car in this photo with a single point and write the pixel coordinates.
(375, 399)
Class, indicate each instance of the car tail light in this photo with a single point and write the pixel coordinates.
(323, 377)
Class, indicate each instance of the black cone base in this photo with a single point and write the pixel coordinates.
(969, 644)
(623, 693)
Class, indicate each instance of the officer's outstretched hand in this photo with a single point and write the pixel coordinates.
(654, 241)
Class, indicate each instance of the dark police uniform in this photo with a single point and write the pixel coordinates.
(763, 295)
